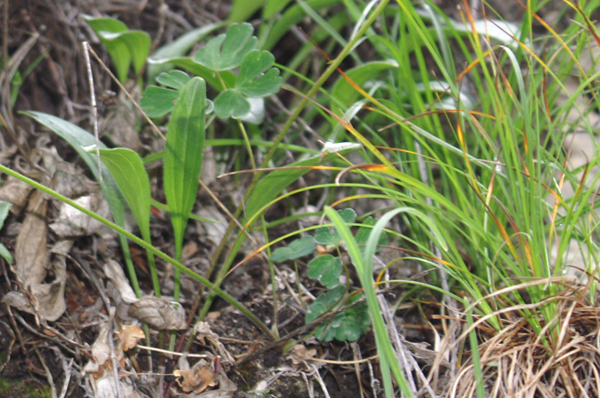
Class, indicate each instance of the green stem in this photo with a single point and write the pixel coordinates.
(145, 245)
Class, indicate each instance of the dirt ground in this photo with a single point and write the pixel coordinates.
(35, 353)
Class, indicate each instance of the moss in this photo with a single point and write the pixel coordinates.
(21, 389)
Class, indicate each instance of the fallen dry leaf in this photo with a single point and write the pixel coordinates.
(114, 272)
(44, 279)
(16, 192)
(196, 379)
(129, 336)
(73, 223)
(301, 354)
(203, 333)
(159, 313)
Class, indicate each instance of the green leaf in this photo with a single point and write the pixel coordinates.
(256, 77)
(227, 51)
(355, 323)
(158, 101)
(174, 79)
(195, 68)
(346, 94)
(296, 249)
(241, 10)
(138, 43)
(365, 231)
(79, 139)
(4, 208)
(272, 7)
(327, 269)
(348, 325)
(123, 45)
(231, 103)
(178, 48)
(4, 253)
(128, 171)
(324, 236)
(275, 182)
(184, 155)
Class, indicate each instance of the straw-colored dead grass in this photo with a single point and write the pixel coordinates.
(517, 363)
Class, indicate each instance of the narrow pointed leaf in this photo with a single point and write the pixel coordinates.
(128, 171)
(184, 155)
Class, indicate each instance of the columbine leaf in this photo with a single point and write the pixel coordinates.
(256, 77)
(356, 322)
(231, 103)
(175, 79)
(227, 50)
(362, 236)
(296, 249)
(324, 236)
(177, 48)
(323, 303)
(158, 101)
(348, 325)
(327, 269)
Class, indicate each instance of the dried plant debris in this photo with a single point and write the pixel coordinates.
(42, 277)
(73, 223)
(159, 313)
(194, 382)
(16, 192)
(203, 333)
(114, 272)
(130, 335)
(301, 354)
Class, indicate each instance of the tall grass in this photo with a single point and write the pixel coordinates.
(481, 163)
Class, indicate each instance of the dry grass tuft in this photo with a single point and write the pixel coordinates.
(561, 360)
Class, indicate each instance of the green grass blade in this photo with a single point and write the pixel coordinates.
(364, 267)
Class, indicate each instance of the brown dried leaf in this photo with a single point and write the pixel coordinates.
(196, 379)
(16, 192)
(129, 336)
(301, 354)
(30, 250)
(159, 313)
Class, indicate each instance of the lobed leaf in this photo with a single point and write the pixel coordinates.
(178, 48)
(227, 50)
(327, 269)
(296, 249)
(231, 103)
(257, 78)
